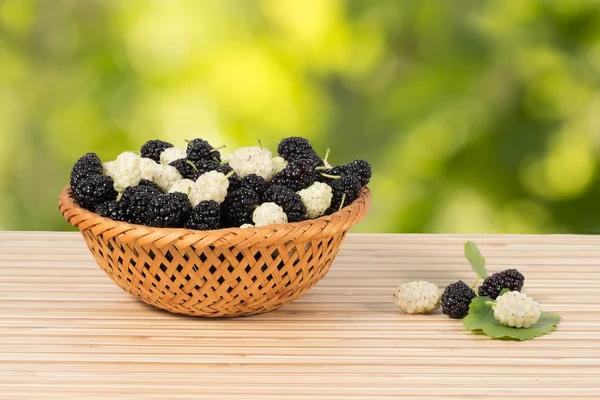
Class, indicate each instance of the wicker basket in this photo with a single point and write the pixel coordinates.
(220, 273)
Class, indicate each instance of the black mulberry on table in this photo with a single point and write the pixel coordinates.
(456, 300)
(510, 279)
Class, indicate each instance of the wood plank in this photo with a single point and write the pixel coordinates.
(68, 332)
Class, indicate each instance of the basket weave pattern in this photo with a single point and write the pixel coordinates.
(220, 273)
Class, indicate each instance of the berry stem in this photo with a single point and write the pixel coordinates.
(342, 202)
(120, 189)
(326, 155)
(323, 168)
(229, 174)
(490, 303)
(192, 165)
(218, 148)
(330, 176)
(476, 281)
(260, 144)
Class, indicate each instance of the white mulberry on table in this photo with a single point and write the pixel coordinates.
(417, 297)
(517, 310)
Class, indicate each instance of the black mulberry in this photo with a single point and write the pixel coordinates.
(135, 201)
(186, 168)
(493, 285)
(152, 149)
(149, 183)
(94, 191)
(168, 210)
(205, 216)
(238, 207)
(358, 168)
(110, 209)
(286, 198)
(204, 166)
(200, 149)
(298, 175)
(85, 167)
(456, 300)
(346, 188)
(234, 179)
(256, 183)
(298, 148)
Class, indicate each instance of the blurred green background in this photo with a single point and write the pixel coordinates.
(478, 116)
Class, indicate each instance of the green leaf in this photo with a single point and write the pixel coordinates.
(481, 319)
(476, 259)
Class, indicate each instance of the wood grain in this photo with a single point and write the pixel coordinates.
(68, 332)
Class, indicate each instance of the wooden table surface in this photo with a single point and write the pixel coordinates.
(68, 332)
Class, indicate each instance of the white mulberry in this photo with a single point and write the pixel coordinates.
(182, 186)
(146, 167)
(317, 199)
(171, 154)
(165, 175)
(267, 214)
(417, 297)
(124, 170)
(211, 185)
(516, 310)
(279, 163)
(252, 160)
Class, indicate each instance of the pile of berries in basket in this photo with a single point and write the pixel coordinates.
(198, 188)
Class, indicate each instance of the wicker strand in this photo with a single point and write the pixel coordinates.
(219, 273)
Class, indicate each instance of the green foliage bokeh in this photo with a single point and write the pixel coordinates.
(478, 116)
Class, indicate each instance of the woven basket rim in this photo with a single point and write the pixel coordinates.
(325, 226)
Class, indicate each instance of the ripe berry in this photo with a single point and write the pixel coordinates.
(298, 148)
(510, 279)
(298, 175)
(204, 166)
(288, 200)
(200, 149)
(358, 168)
(456, 300)
(165, 175)
(94, 191)
(171, 154)
(346, 189)
(186, 168)
(252, 160)
(238, 207)
(234, 179)
(147, 182)
(152, 149)
(110, 209)
(417, 297)
(169, 210)
(205, 216)
(267, 214)
(516, 310)
(317, 199)
(135, 201)
(255, 183)
(212, 185)
(85, 167)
